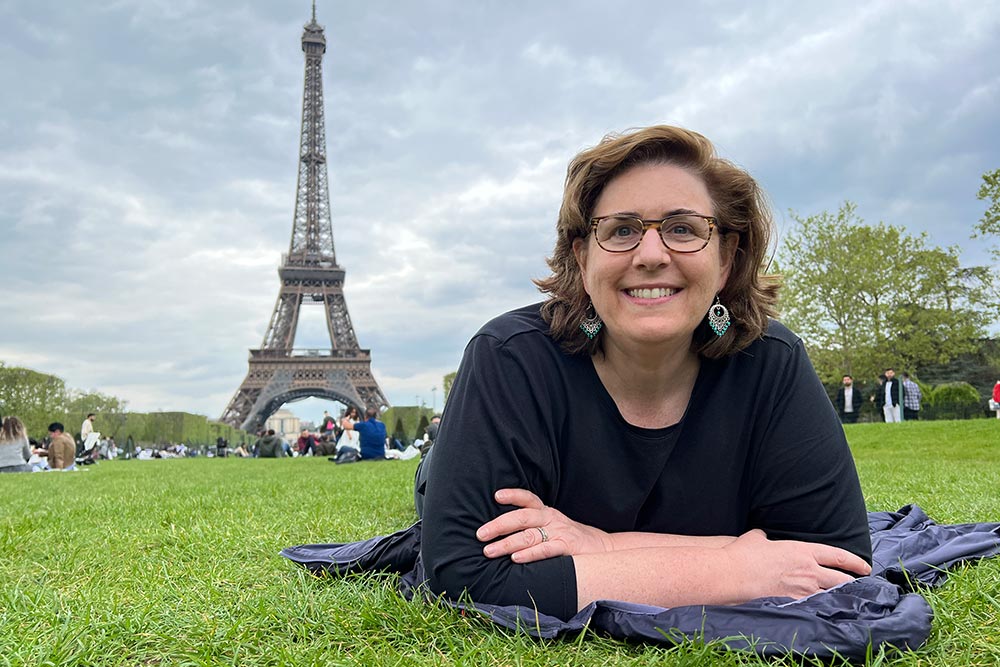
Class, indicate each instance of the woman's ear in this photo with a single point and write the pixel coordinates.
(728, 247)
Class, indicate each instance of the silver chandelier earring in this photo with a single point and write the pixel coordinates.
(718, 317)
(591, 324)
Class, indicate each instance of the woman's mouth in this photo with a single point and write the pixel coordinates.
(651, 293)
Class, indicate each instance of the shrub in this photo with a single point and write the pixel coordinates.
(954, 400)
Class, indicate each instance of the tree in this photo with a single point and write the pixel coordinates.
(110, 411)
(989, 224)
(36, 398)
(864, 297)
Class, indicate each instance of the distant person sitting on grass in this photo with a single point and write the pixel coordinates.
(14, 450)
(372, 435)
(62, 449)
(270, 446)
(306, 443)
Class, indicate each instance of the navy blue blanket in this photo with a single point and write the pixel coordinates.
(881, 610)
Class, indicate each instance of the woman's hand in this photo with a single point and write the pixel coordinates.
(536, 532)
(789, 568)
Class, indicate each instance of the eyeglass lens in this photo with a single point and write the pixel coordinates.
(683, 233)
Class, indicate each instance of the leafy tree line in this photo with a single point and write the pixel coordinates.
(868, 297)
(39, 399)
(989, 224)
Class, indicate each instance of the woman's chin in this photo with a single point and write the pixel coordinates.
(654, 334)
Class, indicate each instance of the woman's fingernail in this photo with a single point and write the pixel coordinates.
(489, 551)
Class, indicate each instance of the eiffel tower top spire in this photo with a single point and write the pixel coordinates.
(313, 32)
(312, 231)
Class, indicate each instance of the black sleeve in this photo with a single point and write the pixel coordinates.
(493, 435)
(805, 484)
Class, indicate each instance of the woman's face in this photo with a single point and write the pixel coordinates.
(651, 295)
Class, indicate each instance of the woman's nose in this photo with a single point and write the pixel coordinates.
(651, 253)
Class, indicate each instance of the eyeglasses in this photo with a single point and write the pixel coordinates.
(681, 232)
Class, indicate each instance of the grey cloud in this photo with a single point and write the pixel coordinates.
(150, 175)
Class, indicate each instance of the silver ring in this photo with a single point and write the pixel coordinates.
(545, 536)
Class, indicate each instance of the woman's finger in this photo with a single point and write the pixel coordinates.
(518, 497)
(509, 523)
(522, 540)
(840, 559)
(830, 578)
(540, 552)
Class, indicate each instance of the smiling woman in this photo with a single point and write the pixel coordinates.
(646, 434)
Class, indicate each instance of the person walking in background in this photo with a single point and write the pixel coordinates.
(14, 449)
(996, 398)
(327, 424)
(848, 401)
(88, 437)
(911, 398)
(87, 427)
(887, 397)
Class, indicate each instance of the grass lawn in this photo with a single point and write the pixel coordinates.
(171, 562)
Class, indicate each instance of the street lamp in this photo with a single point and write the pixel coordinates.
(434, 402)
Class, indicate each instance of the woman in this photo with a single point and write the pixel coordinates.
(646, 434)
(349, 438)
(14, 450)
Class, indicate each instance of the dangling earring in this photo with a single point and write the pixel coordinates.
(718, 317)
(591, 325)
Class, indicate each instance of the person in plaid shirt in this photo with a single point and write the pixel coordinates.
(911, 398)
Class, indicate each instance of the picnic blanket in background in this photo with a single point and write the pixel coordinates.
(909, 550)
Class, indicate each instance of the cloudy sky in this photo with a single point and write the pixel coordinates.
(148, 155)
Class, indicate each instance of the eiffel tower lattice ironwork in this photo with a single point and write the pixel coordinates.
(309, 274)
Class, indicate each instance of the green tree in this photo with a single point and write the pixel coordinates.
(866, 296)
(110, 411)
(36, 398)
(989, 224)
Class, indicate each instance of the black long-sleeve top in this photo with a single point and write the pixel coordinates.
(759, 446)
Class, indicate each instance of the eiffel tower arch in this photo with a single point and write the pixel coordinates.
(309, 274)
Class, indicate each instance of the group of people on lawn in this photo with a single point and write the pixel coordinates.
(58, 451)
(352, 440)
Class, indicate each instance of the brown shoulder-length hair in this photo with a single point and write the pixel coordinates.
(740, 208)
(12, 430)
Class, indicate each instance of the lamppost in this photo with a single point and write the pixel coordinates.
(434, 402)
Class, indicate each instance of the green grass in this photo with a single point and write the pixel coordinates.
(175, 562)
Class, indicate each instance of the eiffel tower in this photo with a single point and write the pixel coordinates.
(309, 273)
